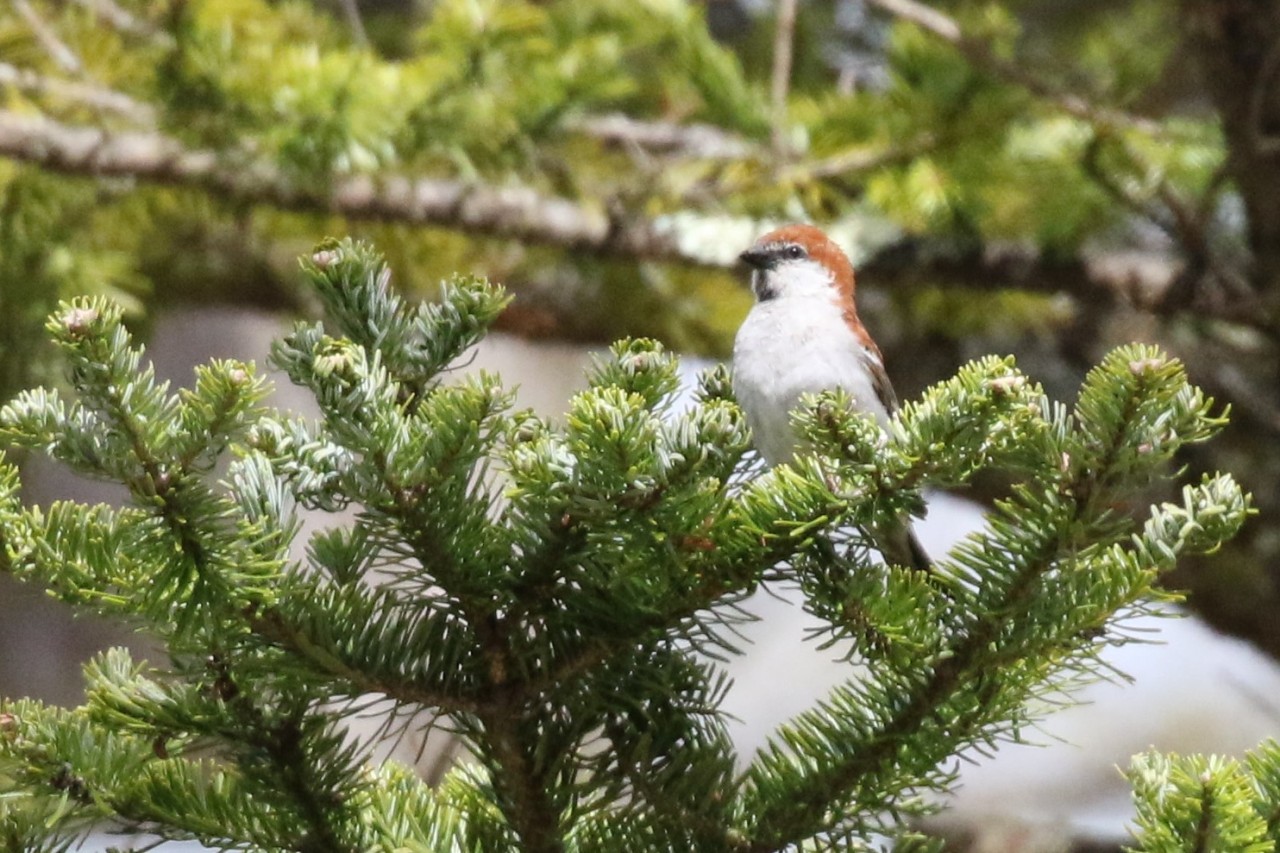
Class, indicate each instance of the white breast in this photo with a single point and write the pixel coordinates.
(789, 347)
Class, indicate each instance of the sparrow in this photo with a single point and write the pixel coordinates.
(803, 336)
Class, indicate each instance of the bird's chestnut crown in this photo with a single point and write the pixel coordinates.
(799, 261)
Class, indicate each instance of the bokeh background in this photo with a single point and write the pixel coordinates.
(1047, 178)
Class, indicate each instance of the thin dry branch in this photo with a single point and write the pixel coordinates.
(62, 55)
(85, 94)
(1150, 282)
(125, 22)
(702, 141)
(526, 214)
(352, 13)
(1264, 142)
(780, 85)
(116, 16)
(508, 211)
(982, 54)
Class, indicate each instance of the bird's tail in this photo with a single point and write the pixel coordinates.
(901, 547)
(898, 544)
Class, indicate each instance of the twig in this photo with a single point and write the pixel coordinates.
(522, 786)
(58, 51)
(352, 13)
(274, 627)
(117, 17)
(95, 97)
(845, 166)
(1188, 225)
(783, 44)
(984, 56)
(860, 161)
(123, 21)
(1265, 142)
(1149, 282)
(663, 137)
(1209, 198)
(1240, 388)
(1091, 164)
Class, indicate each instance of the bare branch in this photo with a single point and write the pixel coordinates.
(352, 13)
(783, 44)
(123, 21)
(1227, 379)
(508, 211)
(1264, 142)
(984, 56)
(58, 51)
(1205, 275)
(116, 17)
(1092, 165)
(95, 97)
(1154, 283)
(524, 213)
(701, 141)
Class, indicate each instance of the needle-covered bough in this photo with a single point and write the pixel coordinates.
(557, 592)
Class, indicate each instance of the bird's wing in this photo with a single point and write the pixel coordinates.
(880, 380)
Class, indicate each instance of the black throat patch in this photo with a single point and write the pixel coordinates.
(760, 284)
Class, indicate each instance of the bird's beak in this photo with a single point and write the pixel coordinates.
(756, 258)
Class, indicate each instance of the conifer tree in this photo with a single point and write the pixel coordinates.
(1208, 803)
(1009, 177)
(559, 592)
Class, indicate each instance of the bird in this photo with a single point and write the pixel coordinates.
(801, 336)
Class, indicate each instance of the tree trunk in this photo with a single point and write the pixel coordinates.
(1237, 45)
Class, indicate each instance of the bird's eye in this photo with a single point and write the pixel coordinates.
(793, 252)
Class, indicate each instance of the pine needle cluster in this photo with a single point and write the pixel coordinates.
(558, 592)
(1208, 803)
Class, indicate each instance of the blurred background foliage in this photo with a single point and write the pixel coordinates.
(1043, 178)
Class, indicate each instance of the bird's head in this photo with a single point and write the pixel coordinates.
(799, 261)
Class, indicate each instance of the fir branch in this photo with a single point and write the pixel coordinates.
(358, 676)
(556, 627)
(984, 56)
(65, 771)
(294, 767)
(144, 446)
(523, 792)
(1205, 831)
(280, 778)
(1199, 803)
(281, 748)
(1264, 764)
(769, 536)
(670, 764)
(1125, 405)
